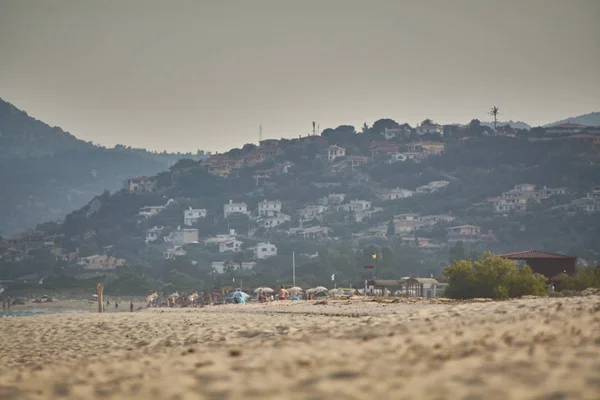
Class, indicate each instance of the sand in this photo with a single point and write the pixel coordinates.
(546, 348)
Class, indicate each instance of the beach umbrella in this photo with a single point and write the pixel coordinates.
(264, 289)
(336, 291)
(295, 290)
(319, 289)
(237, 294)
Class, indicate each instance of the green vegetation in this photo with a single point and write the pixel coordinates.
(492, 277)
(588, 277)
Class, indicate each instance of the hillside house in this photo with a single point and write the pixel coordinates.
(141, 184)
(334, 152)
(265, 250)
(100, 262)
(269, 208)
(391, 133)
(173, 253)
(402, 157)
(310, 212)
(193, 215)
(357, 206)
(463, 233)
(429, 127)
(383, 148)
(355, 161)
(360, 216)
(432, 187)
(566, 129)
(149, 211)
(311, 233)
(516, 199)
(430, 220)
(153, 234)
(230, 245)
(395, 194)
(234, 208)
(274, 220)
(334, 199)
(426, 148)
(182, 236)
(268, 144)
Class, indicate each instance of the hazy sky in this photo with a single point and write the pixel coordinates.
(183, 75)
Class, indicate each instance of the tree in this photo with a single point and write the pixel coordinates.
(494, 112)
(391, 228)
(239, 259)
(381, 125)
(457, 252)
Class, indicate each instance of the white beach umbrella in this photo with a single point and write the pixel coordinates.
(319, 289)
(294, 290)
(335, 292)
(264, 289)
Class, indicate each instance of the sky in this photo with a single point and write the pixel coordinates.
(185, 75)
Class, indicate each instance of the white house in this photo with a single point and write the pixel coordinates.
(432, 187)
(152, 234)
(430, 127)
(193, 215)
(275, 220)
(311, 233)
(182, 236)
(269, 208)
(401, 157)
(265, 250)
(357, 206)
(311, 212)
(174, 253)
(230, 245)
(394, 194)
(333, 199)
(149, 211)
(334, 152)
(232, 208)
(390, 133)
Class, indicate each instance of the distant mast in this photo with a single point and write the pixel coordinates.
(260, 134)
(314, 128)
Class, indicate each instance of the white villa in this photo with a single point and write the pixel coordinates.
(275, 220)
(219, 266)
(394, 194)
(230, 245)
(193, 215)
(182, 236)
(269, 208)
(149, 211)
(430, 127)
(312, 233)
(432, 187)
(265, 250)
(401, 157)
(174, 253)
(152, 234)
(515, 200)
(334, 152)
(333, 199)
(232, 208)
(311, 212)
(357, 206)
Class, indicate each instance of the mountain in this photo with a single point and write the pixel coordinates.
(591, 119)
(45, 172)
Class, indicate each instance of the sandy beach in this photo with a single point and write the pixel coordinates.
(545, 348)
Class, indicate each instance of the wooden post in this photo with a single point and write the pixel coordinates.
(99, 291)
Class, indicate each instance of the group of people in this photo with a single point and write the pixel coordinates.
(6, 303)
(117, 305)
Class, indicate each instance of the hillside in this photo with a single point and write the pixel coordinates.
(46, 172)
(513, 124)
(591, 119)
(333, 200)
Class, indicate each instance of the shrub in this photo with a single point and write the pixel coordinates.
(493, 277)
(588, 277)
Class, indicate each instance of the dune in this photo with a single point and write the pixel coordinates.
(544, 348)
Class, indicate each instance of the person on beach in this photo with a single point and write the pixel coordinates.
(116, 305)
(283, 293)
(260, 296)
(131, 306)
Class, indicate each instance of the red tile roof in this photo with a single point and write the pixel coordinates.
(534, 254)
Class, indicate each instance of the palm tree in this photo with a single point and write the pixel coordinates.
(495, 111)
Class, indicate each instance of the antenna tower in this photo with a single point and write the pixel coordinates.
(260, 134)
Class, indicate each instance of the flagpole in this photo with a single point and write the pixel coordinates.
(293, 268)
